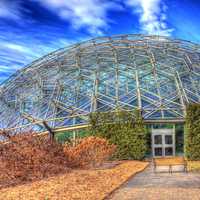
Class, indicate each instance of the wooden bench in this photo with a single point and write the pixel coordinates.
(170, 162)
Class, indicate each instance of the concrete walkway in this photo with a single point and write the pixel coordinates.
(160, 186)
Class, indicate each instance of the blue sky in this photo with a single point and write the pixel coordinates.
(30, 29)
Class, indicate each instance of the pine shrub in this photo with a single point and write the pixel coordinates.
(192, 132)
(124, 129)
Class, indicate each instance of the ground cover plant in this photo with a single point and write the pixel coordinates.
(124, 129)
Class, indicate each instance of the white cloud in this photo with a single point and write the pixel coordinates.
(8, 69)
(15, 47)
(17, 54)
(10, 9)
(152, 16)
(91, 14)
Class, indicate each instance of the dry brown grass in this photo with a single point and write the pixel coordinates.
(79, 184)
(194, 166)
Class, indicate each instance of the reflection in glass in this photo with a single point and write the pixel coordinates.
(168, 139)
(168, 151)
(158, 151)
(158, 139)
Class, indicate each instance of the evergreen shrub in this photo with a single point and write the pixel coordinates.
(124, 129)
(192, 132)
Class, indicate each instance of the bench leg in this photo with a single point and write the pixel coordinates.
(154, 169)
(185, 168)
(170, 169)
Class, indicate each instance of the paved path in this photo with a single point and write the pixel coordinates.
(160, 186)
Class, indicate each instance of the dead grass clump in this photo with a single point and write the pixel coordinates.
(89, 152)
(26, 158)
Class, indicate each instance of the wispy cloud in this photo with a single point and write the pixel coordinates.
(19, 51)
(28, 40)
(10, 9)
(89, 14)
(152, 16)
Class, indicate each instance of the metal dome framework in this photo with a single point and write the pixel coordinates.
(158, 75)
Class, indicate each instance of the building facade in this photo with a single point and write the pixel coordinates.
(157, 75)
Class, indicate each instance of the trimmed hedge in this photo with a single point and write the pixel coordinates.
(192, 133)
(124, 129)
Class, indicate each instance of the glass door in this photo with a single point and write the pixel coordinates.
(163, 142)
(158, 145)
(168, 145)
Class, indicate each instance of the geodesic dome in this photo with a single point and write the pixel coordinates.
(158, 75)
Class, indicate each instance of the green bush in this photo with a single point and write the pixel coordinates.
(192, 133)
(63, 137)
(67, 136)
(124, 129)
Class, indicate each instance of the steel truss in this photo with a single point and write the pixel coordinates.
(158, 75)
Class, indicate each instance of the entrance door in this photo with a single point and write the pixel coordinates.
(163, 142)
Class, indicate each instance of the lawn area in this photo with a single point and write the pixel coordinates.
(78, 184)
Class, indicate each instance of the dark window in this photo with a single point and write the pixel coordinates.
(168, 139)
(158, 151)
(158, 139)
(168, 151)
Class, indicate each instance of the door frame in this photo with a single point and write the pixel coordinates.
(163, 132)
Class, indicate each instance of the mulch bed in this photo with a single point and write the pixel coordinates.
(77, 184)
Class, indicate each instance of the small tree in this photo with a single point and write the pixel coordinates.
(192, 132)
(124, 129)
